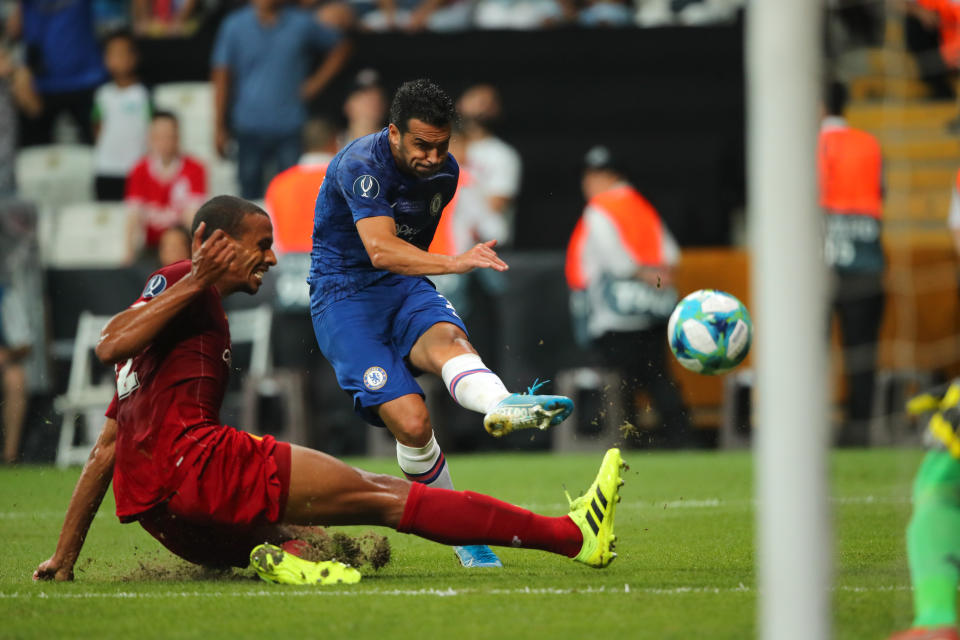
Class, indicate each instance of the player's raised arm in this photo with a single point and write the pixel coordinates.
(130, 331)
(87, 496)
(389, 252)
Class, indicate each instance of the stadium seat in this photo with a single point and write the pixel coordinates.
(570, 382)
(88, 234)
(253, 326)
(85, 396)
(192, 103)
(55, 175)
(222, 178)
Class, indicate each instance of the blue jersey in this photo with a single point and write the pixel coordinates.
(363, 181)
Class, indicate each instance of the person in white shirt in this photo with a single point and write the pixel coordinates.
(121, 118)
(495, 165)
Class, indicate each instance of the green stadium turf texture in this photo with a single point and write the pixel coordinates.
(685, 567)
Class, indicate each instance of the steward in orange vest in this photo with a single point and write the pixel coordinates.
(290, 200)
(620, 272)
(620, 257)
(850, 166)
(292, 195)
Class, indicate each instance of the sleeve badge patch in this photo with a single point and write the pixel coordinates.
(366, 186)
(155, 286)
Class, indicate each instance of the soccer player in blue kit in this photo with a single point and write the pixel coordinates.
(377, 318)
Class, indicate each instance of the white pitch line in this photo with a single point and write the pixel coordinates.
(715, 503)
(437, 593)
(547, 507)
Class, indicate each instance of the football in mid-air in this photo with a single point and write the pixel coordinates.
(710, 331)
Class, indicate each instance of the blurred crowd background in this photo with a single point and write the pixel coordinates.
(119, 118)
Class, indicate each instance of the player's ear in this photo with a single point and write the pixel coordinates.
(393, 132)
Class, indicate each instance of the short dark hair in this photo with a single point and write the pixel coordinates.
(835, 98)
(121, 33)
(224, 212)
(161, 114)
(424, 100)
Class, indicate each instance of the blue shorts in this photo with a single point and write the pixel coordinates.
(367, 337)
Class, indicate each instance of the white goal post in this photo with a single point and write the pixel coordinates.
(794, 543)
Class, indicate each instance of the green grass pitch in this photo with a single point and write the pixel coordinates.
(685, 567)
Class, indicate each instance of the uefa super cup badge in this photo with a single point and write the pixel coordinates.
(374, 378)
(366, 186)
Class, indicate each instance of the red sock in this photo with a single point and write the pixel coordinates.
(465, 517)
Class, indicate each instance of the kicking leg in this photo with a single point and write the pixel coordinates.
(444, 350)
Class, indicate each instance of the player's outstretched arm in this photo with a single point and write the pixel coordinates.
(87, 496)
(130, 331)
(387, 251)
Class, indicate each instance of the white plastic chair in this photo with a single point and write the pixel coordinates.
(88, 234)
(84, 397)
(253, 326)
(55, 175)
(192, 103)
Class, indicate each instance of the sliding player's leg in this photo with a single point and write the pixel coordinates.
(324, 490)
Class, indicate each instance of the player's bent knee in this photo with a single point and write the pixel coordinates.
(411, 426)
(413, 433)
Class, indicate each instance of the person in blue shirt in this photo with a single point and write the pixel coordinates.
(62, 53)
(377, 319)
(261, 74)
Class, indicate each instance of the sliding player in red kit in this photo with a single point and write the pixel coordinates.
(218, 496)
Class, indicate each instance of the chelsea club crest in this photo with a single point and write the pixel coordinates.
(374, 378)
(435, 204)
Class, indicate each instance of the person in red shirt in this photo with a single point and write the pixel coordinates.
(211, 493)
(164, 189)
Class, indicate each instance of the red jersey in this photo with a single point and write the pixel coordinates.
(168, 399)
(163, 195)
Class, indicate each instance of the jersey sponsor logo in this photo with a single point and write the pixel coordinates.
(366, 186)
(435, 204)
(155, 286)
(374, 378)
(127, 380)
(406, 231)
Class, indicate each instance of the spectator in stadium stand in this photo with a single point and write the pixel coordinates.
(174, 245)
(943, 15)
(519, 14)
(850, 166)
(15, 346)
(62, 53)
(365, 107)
(619, 269)
(292, 194)
(164, 18)
(16, 93)
(121, 118)
(419, 15)
(494, 164)
(218, 496)
(606, 13)
(164, 189)
(261, 75)
(467, 220)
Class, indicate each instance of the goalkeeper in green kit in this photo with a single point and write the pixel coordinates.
(933, 535)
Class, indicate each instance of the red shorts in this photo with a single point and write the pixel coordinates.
(223, 509)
